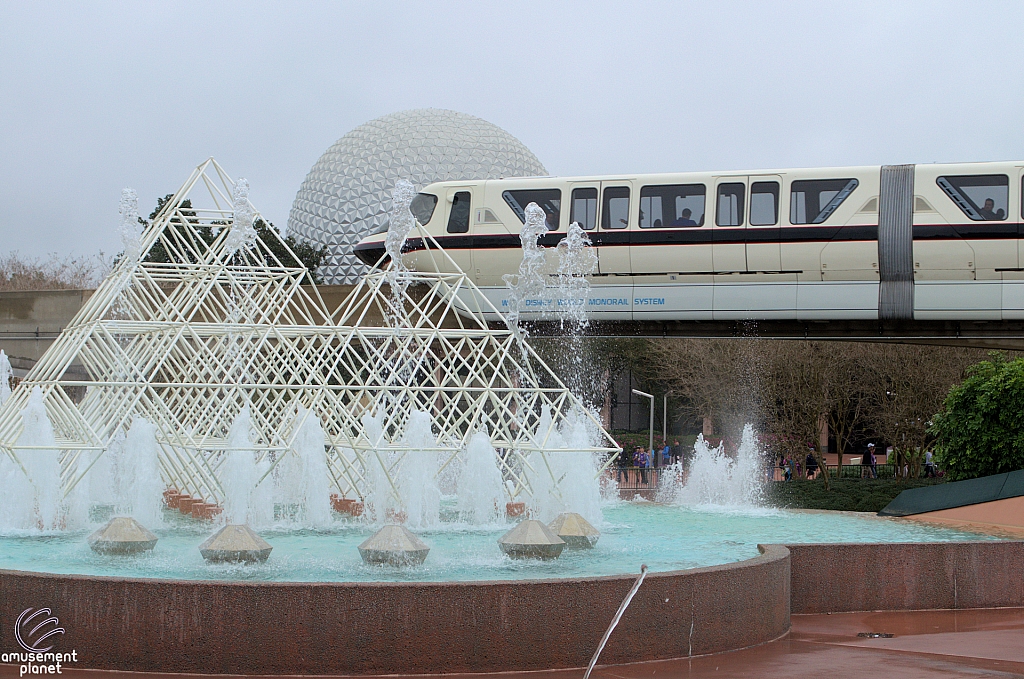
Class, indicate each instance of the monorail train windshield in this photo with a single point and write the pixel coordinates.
(422, 207)
(549, 200)
(981, 197)
(814, 201)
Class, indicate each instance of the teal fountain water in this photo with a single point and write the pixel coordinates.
(699, 524)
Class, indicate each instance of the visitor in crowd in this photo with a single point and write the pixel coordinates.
(625, 460)
(929, 465)
(684, 219)
(677, 452)
(644, 464)
(871, 461)
(787, 468)
(865, 462)
(666, 455)
(812, 464)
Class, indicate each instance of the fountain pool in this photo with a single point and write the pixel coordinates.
(666, 537)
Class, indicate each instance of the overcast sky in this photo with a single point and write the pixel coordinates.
(98, 96)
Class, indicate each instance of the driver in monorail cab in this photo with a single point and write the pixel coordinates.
(551, 221)
(988, 212)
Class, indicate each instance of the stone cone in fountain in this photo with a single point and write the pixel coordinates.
(395, 546)
(576, 531)
(531, 539)
(237, 543)
(122, 535)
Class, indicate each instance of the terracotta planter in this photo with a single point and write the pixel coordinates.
(344, 505)
(515, 509)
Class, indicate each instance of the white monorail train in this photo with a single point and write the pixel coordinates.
(894, 242)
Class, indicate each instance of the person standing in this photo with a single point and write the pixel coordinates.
(865, 462)
(666, 455)
(624, 461)
(677, 452)
(812, 464)
(929, 465)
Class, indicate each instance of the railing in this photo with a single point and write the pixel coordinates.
(646, 478)
(847, 471)
(636, 478)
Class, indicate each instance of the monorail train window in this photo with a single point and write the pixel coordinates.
(764, 203)
(980, 196)
(458, 218)
(812, 201)
(549, 200)
(672, 206)
(584, 208)
(730, 204)
(615, 210)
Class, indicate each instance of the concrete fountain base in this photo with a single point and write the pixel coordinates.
(424, 628)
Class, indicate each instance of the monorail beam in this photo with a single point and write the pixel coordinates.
(1006, 335)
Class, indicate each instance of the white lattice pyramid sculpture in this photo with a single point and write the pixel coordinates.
(198, 332)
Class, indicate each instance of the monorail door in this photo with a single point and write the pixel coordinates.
(764, 253)
(1017, 214)
(613, 219)
(456, 241)
(728, 235)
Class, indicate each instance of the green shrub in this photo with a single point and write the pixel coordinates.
(849, 495)
(980, 430)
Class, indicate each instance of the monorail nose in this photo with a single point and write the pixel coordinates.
(370, 250)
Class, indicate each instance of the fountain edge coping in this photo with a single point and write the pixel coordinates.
(142, 624)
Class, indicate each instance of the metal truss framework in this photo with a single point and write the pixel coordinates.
(192, 336)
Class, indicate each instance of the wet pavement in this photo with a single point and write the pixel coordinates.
(925, 644)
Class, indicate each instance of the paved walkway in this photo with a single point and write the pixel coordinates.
(925, 644)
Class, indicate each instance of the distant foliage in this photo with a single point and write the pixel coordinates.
(308, 256)
(19, 273)
(980, 430)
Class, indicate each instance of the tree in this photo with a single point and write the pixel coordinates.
(980, 430)
(797, 396)
(714, 379)
(308, 256)
(905, 387)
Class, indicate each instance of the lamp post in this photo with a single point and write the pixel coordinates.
(664, 417)
(651, 428)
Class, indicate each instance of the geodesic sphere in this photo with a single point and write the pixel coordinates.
(347, 194)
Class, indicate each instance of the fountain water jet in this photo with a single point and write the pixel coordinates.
(529, 282)
(417, 480)
(481, 491)
(240, 474)
(714, 479)
(6, 375)
(314, 489)
(140, 473)
(40, 494)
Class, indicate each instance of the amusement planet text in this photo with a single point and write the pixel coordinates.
(39, 663)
